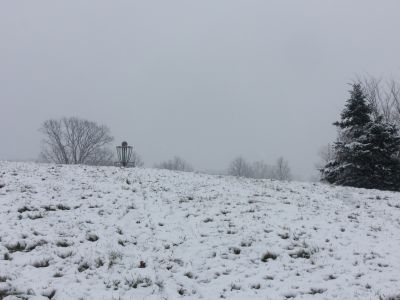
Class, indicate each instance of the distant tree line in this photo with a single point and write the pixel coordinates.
(175, 164)
(366, 153)
(78, 141)
(260, 170)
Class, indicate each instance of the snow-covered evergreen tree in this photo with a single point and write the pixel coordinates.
(366, 148)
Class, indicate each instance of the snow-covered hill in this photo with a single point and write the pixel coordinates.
(73, 232)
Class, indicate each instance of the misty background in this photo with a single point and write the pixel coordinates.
(205, 80)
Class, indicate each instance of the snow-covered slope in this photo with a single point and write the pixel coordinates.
(73, 232)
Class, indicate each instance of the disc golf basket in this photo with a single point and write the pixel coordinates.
(124, 153)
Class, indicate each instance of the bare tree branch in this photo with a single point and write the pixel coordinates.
(383, 97)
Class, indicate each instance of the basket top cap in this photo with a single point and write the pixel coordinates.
(124, 145)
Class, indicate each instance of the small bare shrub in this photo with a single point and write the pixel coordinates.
(64, 255)
(49, 294)
(301, 254)
(58, 275)
(63, 243)
(83, 266)
(236, 287)
(235, 250)
(113, 257)
(36, 244)
(181, 291)
(43, 263)
(138, 282)
(35, 216)
(15, 247)
(256, 286)
(314, 291)
(268, 255)
(63, 207)
(99, 262)
(91, 237)
(25, 208)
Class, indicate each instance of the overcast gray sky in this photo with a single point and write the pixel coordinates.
(207, 80)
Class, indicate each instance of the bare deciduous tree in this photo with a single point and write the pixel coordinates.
(239, 167)
(282, 170)
(383, 96)
(76, 141)
(175, 164)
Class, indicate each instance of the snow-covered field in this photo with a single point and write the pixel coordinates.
(73, 232)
